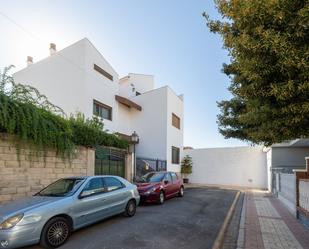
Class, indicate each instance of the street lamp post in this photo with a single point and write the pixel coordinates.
(134, 140)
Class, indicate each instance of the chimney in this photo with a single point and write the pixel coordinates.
(52, 48)
(29, 60)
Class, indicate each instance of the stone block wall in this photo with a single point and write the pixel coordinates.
(24, 171)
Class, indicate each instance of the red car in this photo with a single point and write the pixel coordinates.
(159, 186)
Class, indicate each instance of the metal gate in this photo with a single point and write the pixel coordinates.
(109, 161)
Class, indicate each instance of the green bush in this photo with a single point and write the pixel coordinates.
(186, 165)
(88, 133)
(27, 114)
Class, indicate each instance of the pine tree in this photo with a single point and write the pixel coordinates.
(268, 43)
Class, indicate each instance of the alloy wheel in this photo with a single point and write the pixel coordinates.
(130, 209)
(57, 233)
(161, 198)
(181, 191)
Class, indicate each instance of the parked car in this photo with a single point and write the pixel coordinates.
(159, 186)
(68, 204)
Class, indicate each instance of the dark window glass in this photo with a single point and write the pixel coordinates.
(152, 177)
(62, 187)
(112, 183)
(168, 177)
(175, 155)
(174, 177)
(94, 186)
(101, 110)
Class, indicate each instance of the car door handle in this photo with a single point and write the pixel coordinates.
(103, 200)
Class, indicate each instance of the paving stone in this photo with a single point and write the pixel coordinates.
(268, 225)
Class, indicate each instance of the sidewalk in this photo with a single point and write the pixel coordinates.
(266, 224)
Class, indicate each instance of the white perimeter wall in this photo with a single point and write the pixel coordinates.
(239, 166)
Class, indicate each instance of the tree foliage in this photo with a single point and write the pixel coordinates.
(29, 115)
(268, 43)
(186, 165)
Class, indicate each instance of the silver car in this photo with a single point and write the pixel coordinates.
(68, 204)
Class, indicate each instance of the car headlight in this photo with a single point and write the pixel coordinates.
(153, 189)
(11, 222)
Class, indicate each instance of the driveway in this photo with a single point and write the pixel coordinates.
(183, 223)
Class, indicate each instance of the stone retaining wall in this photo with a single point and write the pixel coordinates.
(24, 171)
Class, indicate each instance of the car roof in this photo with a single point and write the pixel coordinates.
(88, 177)
(162, 172)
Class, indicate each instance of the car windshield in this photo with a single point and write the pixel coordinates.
(152, 177)
(62, 187)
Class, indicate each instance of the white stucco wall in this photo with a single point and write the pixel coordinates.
(150, 123)
(239, 166)
(174, 135)
(69, 81)
(268, 152)
(60, 77)
(138, 82)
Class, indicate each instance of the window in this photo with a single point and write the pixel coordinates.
(175, 121)
(174, 177)
(62, 187)
(152, 177)
(101, 110)
(94, 186)
(175, 155)
(168, 177)
(103, 72)
(112, 184)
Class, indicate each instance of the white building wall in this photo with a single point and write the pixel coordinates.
(69, 81)
(174, 135)
(124, 125)
(269, 171)
(60, 77)
(99, 87)
(239, 166)
(150, 123)
(133, 83)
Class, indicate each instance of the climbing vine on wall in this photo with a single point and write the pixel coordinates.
(28, 114)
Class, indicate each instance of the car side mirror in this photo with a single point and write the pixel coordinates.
(85, 193)
(166, 181)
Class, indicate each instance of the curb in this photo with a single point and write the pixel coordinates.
(241, 233)
(220, 237)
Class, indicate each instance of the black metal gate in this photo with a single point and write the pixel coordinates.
(145, 165)
(109, 161)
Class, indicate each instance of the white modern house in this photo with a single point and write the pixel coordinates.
(79, 79)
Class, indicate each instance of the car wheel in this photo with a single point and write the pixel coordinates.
(161, 198)
(130, 209)
(181, 192)
(55, 232)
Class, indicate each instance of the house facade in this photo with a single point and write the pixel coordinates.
(79, 79)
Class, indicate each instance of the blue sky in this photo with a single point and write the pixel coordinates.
(168, 39)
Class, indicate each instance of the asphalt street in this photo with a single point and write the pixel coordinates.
(191, 222)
